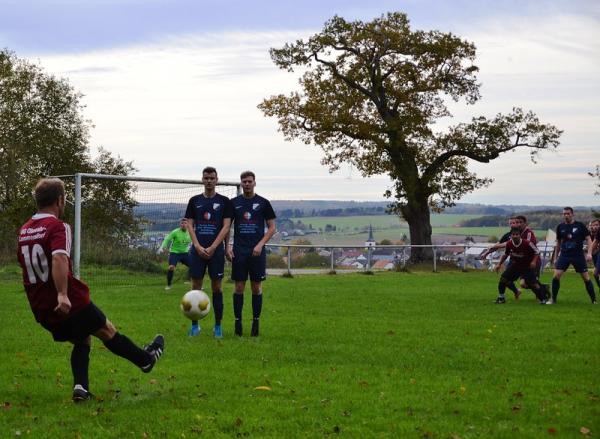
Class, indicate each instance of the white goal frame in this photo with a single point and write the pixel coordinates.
(77, 203)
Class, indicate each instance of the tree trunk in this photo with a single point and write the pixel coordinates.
(419, 224)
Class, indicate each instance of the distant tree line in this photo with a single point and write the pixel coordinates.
(546, 219)
(349, 211)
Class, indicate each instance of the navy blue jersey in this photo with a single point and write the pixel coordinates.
(505, 237)
(208, 215)
(250, 216)
(572, 237)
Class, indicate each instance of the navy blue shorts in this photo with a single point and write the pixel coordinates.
(578, 261)
(244, 265)
(598, 262)
(215, 265)
(79, 326)
(513, 273)
(175, 258)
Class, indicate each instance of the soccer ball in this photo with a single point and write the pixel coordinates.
(195, 305)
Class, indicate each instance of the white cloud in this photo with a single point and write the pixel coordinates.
(185, 102)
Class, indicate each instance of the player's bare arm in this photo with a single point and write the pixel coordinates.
(60, 275)
(556, 251)
(590, 248)
(500, 262)
(268, 235)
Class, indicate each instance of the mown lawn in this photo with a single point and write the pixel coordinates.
(390, 355)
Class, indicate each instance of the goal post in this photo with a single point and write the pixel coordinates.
(154, 206)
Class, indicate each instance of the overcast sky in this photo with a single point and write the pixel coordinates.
(173, 85)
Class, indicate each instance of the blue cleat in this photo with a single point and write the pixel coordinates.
(217, 332)
(194, 331)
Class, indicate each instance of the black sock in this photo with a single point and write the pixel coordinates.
(555, 288)
(539, 292)
(597, 277)
(123, 347)
(511, 286)
(169, 277)
(238, 305)
(501, 289)
(218, 306)
(80, 361)
(256, 305)
(589, 286)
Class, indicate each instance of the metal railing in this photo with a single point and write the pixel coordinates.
(461, 260)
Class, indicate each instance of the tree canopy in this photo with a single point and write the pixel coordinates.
(371, 94)
(43, 132)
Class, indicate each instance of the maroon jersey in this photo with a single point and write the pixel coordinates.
(528, 235)
(521, 255)
(41, 237)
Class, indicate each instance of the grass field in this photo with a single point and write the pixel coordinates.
(415, 355)
(351, 230)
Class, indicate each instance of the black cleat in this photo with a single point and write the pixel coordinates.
(254, 329)
(155, 349)
(238, 327)
(500, 300)
(80, 394)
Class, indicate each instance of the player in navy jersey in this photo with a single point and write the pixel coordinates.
(594, 227)
(60, 302)
(251, 213)
(524, 257)
(209, 218)
(570, 236)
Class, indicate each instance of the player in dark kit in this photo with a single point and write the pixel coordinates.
(570, 236)
(524, 257)
(251, 214)
(209, 219)
(594, 228)
(59, 301)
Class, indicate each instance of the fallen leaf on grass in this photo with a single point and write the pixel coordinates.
(6, 405)
(518, 395)
(516, 408)
(238, 422)
(585, 431)
(262, 388)
(552, 430)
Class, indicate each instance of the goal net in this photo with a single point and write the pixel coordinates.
(119, 223)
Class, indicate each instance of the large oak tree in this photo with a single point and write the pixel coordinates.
(371, 93)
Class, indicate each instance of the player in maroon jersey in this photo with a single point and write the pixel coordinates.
(60, 302)
(524, 257)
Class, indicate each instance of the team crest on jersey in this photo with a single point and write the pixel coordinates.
(247, 215)
(216, 206)
(207, 215)
(255, 206)
(574, 229)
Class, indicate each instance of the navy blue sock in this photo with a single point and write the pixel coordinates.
(218, 306)
(589, 286)
(238, 305)
(511, 286)
(555, 288)
(80, 361)
(597, 277)
(256, 305)
(169, 277)
(123, 347)
(501, 289)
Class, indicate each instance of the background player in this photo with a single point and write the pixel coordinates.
(594, 228)
(178, 242)
(570, 236)
(248, 255)
(61, 303)
(209, 219)
(524, 257)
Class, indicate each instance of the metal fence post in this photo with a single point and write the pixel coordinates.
(289, 260)
(464, 263)
(332, 258)
(77, 227)
(434, 260)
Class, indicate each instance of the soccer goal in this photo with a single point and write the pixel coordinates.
(119, 222)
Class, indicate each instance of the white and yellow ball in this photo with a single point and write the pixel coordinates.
(195, 305)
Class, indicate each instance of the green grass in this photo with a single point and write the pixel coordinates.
(391, 355)
(351, 230)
